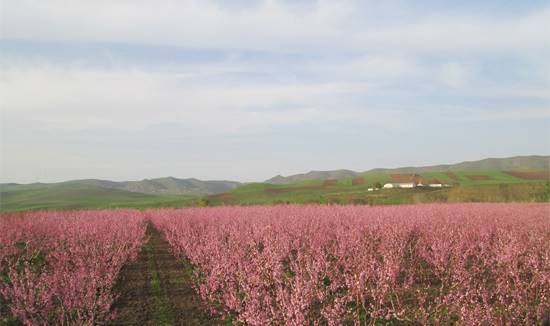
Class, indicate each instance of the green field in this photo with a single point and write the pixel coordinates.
(78, 196)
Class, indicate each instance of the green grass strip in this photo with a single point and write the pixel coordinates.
(162, 315)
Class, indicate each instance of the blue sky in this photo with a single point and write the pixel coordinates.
(246, 89)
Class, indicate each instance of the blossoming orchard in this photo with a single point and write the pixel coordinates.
(471, 264)
(60, 267)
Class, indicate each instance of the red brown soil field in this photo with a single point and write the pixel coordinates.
(329, 182)
(479, 177)
(531, 175)
(358, 181)
(452, 176)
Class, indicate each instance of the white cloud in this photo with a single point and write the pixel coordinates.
(375, 67)
(487, 114)
(82, 98)
(85, 98)
(456, 33)
(271, 25)
(326, 63)
(456, 75)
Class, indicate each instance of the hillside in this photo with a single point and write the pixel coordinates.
(94, 193)
(313, 175)
(169, 185)
(75, 196)
(517, 163)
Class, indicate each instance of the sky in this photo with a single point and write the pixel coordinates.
(248, 89)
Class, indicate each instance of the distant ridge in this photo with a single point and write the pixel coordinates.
(158, 186)
(313, 175)
(516, 163)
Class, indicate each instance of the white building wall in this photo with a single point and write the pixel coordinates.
(406, 185)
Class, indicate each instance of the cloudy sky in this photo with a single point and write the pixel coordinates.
(245, 89)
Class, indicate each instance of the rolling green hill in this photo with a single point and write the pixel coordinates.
(169, 185)
(513, 179)
(517, 163)
(74, 196)
(313, 175)
(94, 193)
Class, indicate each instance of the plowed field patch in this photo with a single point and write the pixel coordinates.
(358, 181)
(531, 175)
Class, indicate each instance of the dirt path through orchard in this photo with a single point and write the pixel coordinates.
(156, 289)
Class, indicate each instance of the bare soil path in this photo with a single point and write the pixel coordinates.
(156, 289)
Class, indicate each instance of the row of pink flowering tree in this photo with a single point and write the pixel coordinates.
(58, 268)
(475, 264)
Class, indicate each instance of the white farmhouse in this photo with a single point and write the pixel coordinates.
(413, 181)
(399, 185)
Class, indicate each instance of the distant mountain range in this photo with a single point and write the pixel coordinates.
(159, 186)
(191, 186)
(517, 163)
(313, 175)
